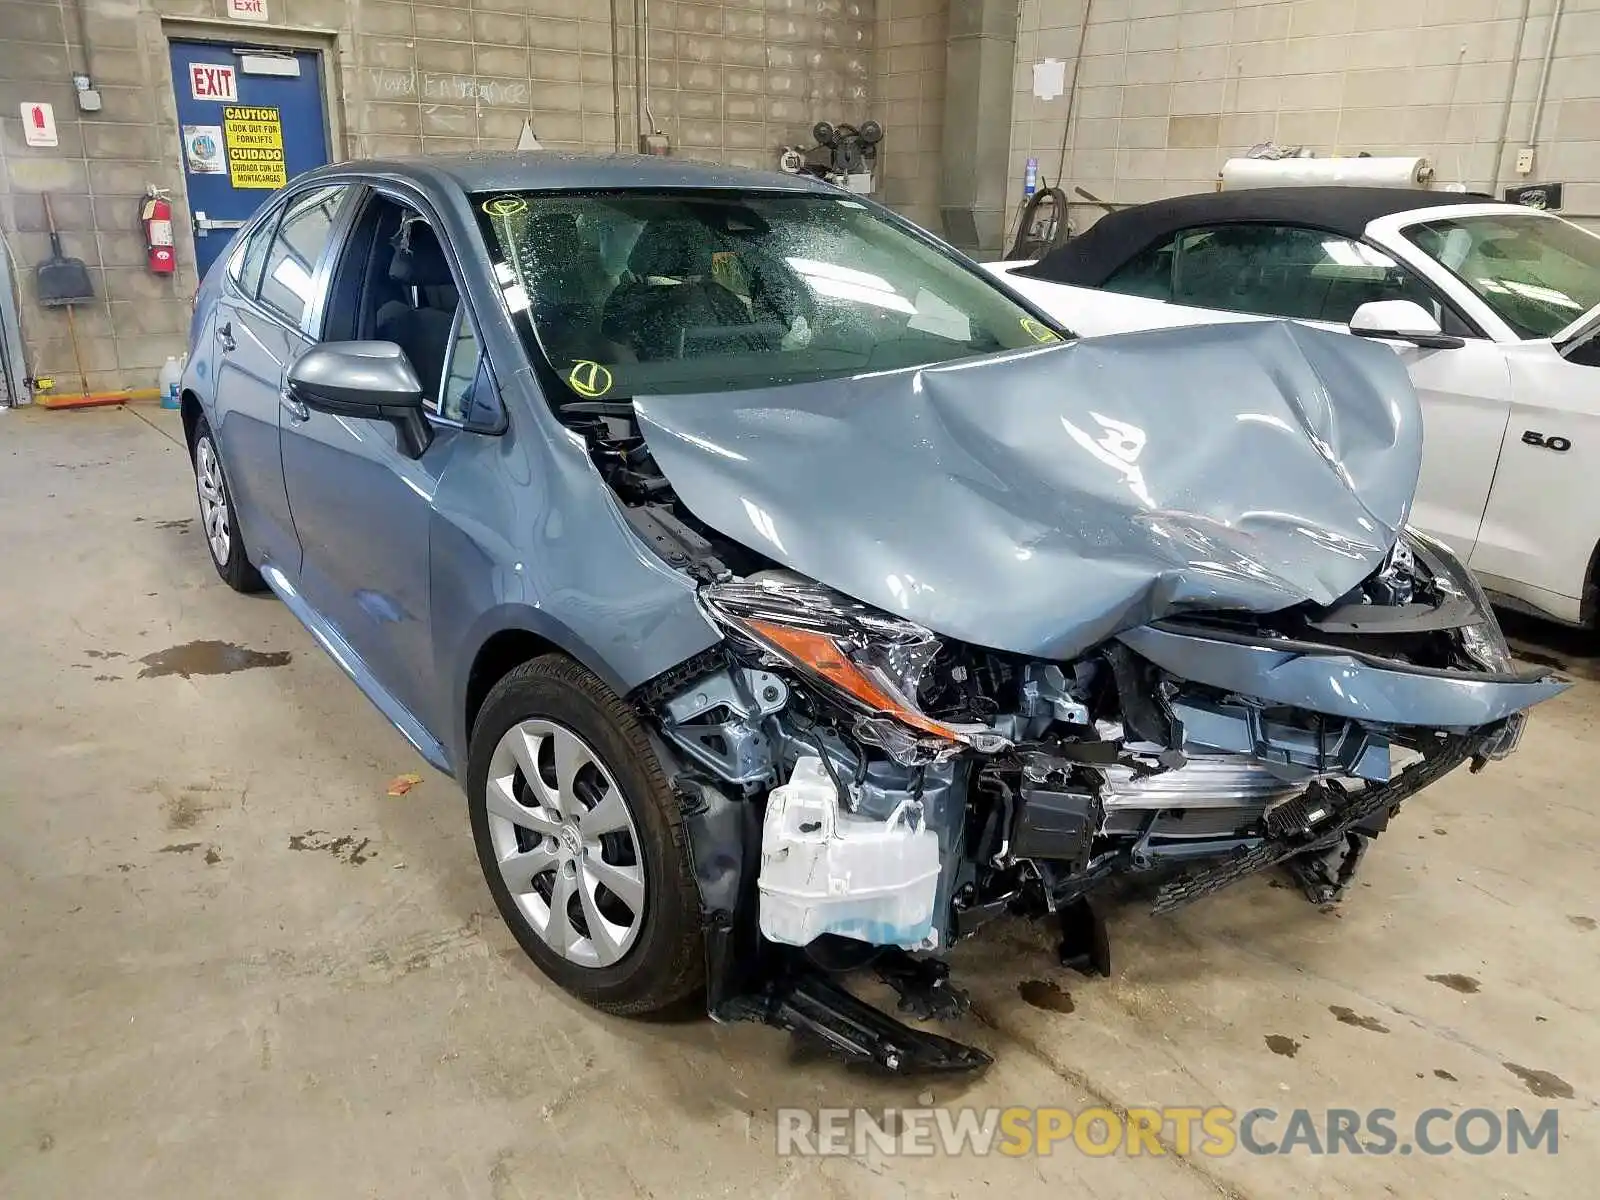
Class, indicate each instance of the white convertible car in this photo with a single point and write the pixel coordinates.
(1494, 308)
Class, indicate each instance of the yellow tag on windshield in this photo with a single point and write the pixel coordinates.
(1039, 332)
(505, 206)
(727, 270)
(589, 379)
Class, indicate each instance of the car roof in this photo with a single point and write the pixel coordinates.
(546, 170)
(1092, 257)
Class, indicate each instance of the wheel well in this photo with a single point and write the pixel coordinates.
(497, 658)
(1589, 605)
(189, 409)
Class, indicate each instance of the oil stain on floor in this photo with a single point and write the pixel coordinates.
(346, 847)
(1456, 983)
(1541, 1083)
(1041, 993)
(183, 809)
(1348, 1016)
(208, 657)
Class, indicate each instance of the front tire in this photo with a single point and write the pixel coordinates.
(581, 840)
(218, 520)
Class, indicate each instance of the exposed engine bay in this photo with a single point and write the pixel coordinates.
(861, 788)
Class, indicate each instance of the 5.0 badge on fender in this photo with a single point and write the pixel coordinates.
(1559, 444)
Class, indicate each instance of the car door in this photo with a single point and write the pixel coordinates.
(1542, 527)
(258, 331)
(1321, 278)
(363, 508)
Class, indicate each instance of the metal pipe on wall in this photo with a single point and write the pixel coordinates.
(83, 34)
(1544, 75)
(616, 78)
(640, 53)
(645, 80)
(1072, 90)
(1511, 91)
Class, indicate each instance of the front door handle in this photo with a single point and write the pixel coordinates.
(296, 409)
(225, 336)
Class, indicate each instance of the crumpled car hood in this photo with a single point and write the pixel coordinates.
(1040, 502)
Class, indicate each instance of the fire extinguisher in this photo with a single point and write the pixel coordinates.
(155, 215)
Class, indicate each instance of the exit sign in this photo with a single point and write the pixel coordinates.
(209, 81)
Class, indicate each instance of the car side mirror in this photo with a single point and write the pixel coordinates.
(1402, 321)
(373, 380)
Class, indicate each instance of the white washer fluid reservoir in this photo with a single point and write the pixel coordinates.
(825, 870)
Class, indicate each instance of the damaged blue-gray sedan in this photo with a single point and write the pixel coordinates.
(791, 600)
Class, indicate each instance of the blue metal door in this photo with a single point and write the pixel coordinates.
(250, 120)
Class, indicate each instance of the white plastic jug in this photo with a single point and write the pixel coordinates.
(169, 379)
(824, 870)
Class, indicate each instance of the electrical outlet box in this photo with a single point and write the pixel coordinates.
(1525, 161)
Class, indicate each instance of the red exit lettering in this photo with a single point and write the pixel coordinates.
(212, 82)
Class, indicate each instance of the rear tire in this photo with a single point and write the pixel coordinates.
(581, 840)
(218, 520)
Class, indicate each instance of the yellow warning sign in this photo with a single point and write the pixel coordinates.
(589, 379)
(254, 137)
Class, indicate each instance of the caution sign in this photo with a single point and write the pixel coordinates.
(255, 146)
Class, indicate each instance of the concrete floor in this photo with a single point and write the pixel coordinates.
(233, 964)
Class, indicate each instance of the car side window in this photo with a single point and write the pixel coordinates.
(392, 282)
(460, 369)
(1586, 355)
(245, 267)
(1288, 271)
(1147, 274)
(291, 262)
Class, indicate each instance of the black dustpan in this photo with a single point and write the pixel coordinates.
(61, 280)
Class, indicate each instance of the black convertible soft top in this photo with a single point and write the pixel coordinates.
(1092, 257)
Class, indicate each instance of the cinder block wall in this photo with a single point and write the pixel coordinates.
(730, 81)
(909, 72)
(1170, 89)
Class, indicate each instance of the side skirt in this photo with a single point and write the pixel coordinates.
(352, 665)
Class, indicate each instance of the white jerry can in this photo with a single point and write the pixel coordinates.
(824, 870)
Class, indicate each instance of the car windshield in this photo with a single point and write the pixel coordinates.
(632, 293)
(1538, 273)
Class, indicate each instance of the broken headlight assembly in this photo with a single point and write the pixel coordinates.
(869, 663)
(1482, 640)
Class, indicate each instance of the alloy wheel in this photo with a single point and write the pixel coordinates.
(213, 500)
(565, 843)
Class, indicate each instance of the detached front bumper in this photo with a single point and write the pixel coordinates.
(1329, 816)
(1342, 684)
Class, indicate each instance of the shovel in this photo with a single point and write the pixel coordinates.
(63, 282)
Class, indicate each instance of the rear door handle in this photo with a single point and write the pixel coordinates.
(296, 409)
(225, 336)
